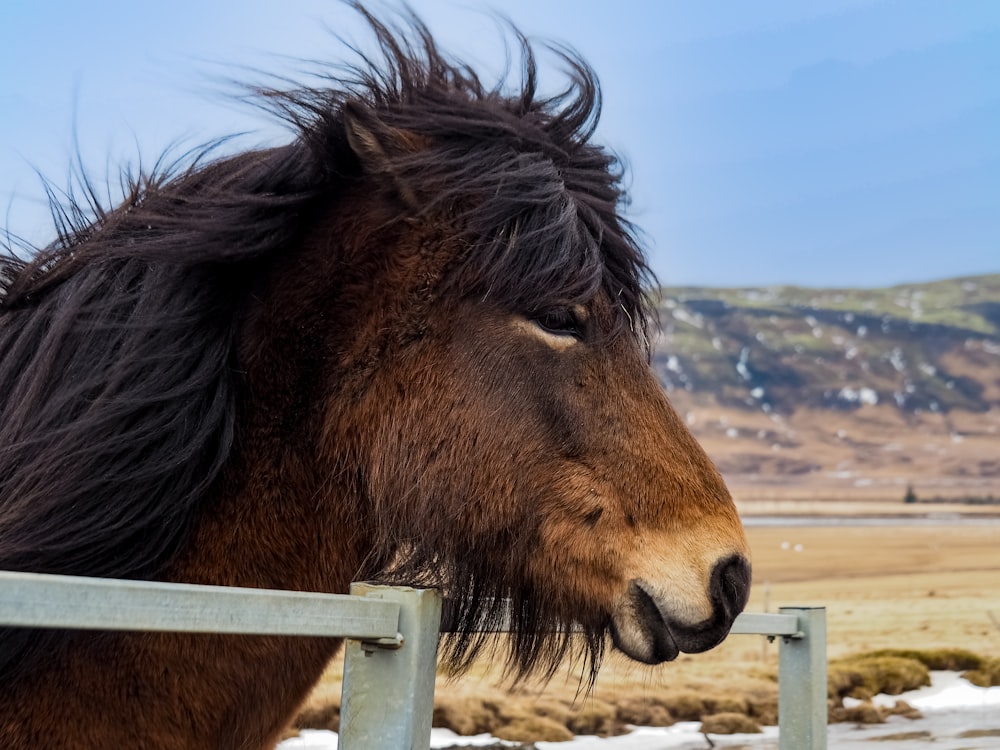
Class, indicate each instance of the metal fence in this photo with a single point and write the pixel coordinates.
(391, 652)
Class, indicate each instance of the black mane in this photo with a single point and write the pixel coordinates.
(118, 405)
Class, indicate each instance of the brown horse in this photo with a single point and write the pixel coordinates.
(409, 346)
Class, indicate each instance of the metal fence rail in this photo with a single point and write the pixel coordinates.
(390, 657)
(38, 600)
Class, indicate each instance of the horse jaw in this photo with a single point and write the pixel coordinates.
(674, 607)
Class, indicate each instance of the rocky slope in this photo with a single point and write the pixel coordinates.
(814, 393)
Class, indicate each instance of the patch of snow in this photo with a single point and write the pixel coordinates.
(948, 690)
(320, 739)
(741, 365)
(447, 738)
(757, 392)
(692, 319)
(732, 432)
(928, 369)
(897, 360)
(759, 295)
(862, 395)
(681, 735)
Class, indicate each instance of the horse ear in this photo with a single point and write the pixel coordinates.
(376, 146)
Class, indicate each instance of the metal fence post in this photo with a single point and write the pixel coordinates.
(802, 682)
(388, 693)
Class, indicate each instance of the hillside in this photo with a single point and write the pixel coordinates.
(813, 393)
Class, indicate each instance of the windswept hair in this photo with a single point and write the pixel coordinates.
(118, 360)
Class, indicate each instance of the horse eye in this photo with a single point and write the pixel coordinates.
(560, 323)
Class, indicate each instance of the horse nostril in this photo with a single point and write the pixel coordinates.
(731, 584)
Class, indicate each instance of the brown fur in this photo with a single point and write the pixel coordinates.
(431, 381)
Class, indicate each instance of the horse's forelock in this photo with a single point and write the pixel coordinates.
(512, 170)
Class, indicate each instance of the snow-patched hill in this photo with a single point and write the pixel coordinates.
(882, 388)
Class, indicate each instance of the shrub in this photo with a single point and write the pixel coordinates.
(533, 729)
(904, 709)
(863, 713)
(594, 717)
(977, 669)
(986, 675)
(764, 708)
(920, 734)
(685, 706)
(950, 659)
(644, 712)
(969, 734)
(866, 675)
(549, 708)
(729, 723)
(727, 704)
(325, 716)
(467, 715)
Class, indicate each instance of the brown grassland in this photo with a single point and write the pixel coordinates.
(884, 587)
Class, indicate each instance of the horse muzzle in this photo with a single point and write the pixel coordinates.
(648, 626)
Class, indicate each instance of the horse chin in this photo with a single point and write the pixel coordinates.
(644, 627)
(639, 630)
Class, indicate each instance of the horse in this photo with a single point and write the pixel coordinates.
(411, 345)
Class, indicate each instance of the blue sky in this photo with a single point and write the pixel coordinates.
(848, 143)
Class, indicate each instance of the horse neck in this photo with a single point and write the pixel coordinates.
(285, 511)
(274, 522)
(284, 516)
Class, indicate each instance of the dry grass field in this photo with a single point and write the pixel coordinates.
(892, 586)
